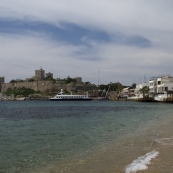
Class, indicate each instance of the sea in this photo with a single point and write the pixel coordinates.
(86, 137)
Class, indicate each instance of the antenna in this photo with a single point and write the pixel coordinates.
(144, 79)
(98, 76)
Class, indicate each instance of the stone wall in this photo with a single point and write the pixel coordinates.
(85, 87)
(37, 85)
(48, 86)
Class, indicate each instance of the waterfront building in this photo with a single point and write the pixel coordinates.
(138, 88)
(164, 88)
(153, 87)
(164, 84)
(128, 92)
(161, 87)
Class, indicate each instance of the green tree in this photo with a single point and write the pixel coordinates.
(16, 80)
(145, 91)
(102, 87)
(24, 92)
(12, 81)
(87, 83)
(112, 86)
(133, 85)
(119, 88)
(69, 80)
(49, 78)
(31, 80)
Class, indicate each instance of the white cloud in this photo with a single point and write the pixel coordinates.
(23, 53)
(127, 16)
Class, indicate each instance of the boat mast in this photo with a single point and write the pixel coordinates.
(98, 76)
(107, 91)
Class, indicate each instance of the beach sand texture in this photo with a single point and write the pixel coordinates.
(95, 137)
(156, 156)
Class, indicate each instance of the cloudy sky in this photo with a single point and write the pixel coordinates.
(101, 41)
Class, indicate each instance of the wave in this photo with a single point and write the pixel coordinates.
(141, 163)
(165, 141)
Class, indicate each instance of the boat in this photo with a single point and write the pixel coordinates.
(160, 97)
(63, 97)
(21, 98)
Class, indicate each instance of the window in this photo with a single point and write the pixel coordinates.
(159, 82)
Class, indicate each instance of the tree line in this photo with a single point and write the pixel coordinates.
(22, 92)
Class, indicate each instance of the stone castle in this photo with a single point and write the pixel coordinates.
(2, 80)
(42, 82)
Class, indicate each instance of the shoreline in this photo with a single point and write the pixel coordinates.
(124, 132)
(116, 156)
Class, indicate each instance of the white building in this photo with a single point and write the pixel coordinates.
(127, 92)
(138, 93)
(164, 84)
(153, 87)
(161, 87)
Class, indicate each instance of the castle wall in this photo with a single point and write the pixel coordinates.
(47, 85)
(31, 85)
(37, 86)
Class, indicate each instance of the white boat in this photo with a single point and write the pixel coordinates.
(63, 97)
(160, 97)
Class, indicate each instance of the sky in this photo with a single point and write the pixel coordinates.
(102, 41)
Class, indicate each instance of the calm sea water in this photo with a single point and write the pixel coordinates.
(44, 136)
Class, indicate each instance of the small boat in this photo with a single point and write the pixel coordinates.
(63, 97)
(160, 97)
(101, 98)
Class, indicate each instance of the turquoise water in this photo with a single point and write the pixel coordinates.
(35, 134)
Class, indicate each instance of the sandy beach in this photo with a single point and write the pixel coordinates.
(107, 137)
(116, 157)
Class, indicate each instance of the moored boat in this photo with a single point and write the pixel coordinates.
(63, 97)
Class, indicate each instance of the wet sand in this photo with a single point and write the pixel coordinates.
(114, 157)
(163, 163)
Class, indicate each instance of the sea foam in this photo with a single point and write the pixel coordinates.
(165, 141)
(141, 163)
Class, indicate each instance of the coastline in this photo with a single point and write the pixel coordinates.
(93, 137)
(116, 156)
(164, 145)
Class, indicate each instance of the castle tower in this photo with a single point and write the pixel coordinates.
(78, 80)
(40, 74)
(2, 80)
(49, 75)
